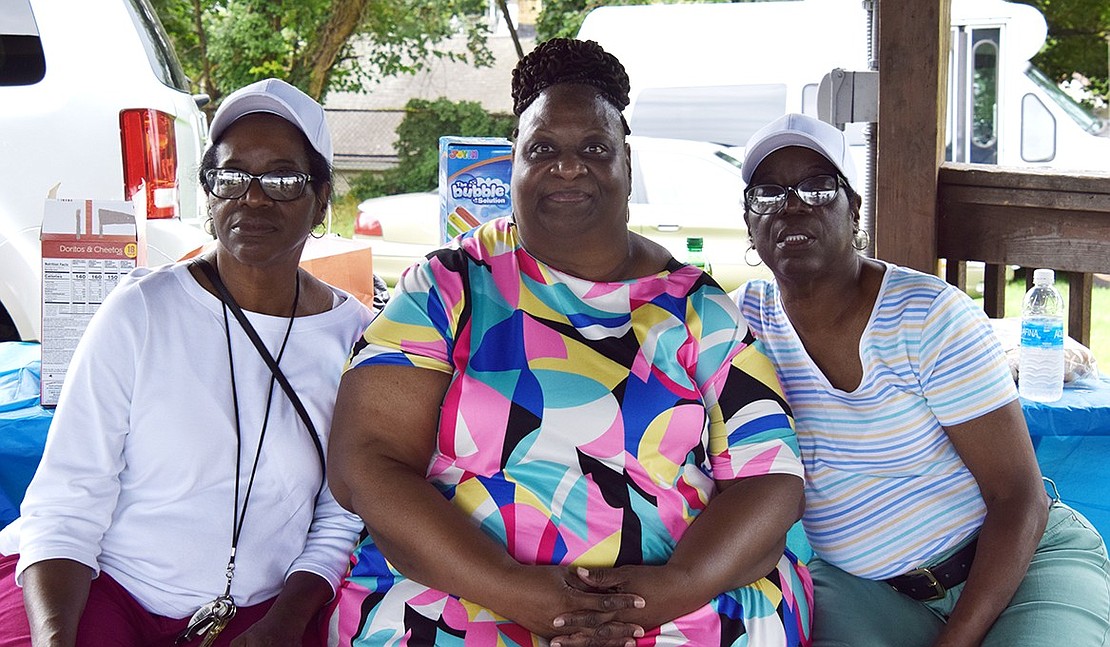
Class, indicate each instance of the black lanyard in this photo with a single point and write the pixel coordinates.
(238, 516)
(229, 301)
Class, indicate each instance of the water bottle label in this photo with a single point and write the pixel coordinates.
(1042, 334)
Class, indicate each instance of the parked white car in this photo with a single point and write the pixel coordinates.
(95, 104)
(680, 189)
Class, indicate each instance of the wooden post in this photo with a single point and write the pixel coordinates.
(913, 90)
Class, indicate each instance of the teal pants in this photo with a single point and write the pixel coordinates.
(1063, 600)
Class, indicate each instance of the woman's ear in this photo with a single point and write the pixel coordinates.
(323, 196)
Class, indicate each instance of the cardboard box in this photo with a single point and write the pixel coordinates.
(87, 247)
(345, 263)
(474, 176)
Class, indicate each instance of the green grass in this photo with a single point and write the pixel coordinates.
(1100, 317)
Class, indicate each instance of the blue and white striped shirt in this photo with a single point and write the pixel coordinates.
(885, 489)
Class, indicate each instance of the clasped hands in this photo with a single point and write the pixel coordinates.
(598, 607)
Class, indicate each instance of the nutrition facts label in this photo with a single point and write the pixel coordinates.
(72, 290)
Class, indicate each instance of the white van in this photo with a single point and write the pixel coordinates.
(716, 72)
(95, 104)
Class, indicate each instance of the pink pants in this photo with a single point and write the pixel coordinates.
(113, 618)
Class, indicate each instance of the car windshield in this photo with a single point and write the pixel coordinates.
(162, 58)
(1074, 109)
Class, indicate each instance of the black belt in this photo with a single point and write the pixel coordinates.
(933, 582)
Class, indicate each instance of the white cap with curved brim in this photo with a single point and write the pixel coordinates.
(799, 130)
(276, 97)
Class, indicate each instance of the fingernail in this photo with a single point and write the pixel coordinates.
(639, 603)
(559, 622)
(639, 633)
(584, 572)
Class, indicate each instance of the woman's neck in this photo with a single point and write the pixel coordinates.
(831, 298)
(620, 259)
(265, 290)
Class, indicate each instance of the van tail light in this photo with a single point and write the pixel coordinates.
(367, 225)
(150, 157)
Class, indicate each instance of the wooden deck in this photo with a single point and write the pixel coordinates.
(1030, 218)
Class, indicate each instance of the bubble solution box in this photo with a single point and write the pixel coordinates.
(473, 182)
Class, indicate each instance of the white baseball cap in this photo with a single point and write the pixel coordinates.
(799, 130)
(276, 97)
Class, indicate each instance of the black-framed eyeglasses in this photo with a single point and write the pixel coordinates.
(816, 191)
(232, 183)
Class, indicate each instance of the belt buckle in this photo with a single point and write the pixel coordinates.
(938, 589)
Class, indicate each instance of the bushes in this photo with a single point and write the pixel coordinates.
(418, 144)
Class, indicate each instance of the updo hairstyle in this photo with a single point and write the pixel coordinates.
(566, 60)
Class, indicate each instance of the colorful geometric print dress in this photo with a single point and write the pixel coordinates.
(585, 423)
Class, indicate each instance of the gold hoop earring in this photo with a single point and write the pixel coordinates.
(315, 235)
(210, 227)
(861, 240)
(747, 257)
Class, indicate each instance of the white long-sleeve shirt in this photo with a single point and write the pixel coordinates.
(138, 475)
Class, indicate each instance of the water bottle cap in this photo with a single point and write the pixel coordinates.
(1044, 277)
(694, 243)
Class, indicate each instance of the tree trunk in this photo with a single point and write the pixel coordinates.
(311, 68)
(205, 80)
(512, 28)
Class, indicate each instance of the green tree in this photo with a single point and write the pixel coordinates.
(418, 144)
(1077, 40)
(317, 45)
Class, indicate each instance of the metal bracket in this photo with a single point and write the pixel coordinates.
(845, 97)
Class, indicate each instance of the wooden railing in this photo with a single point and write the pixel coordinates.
(1029, 218)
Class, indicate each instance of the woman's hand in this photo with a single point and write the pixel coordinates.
(667, 594)
(302, 597)
(736, 540)
(555, 602)
(271, 631)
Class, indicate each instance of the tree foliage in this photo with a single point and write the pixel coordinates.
(1077, 40)
(317, 45)
(418, 144)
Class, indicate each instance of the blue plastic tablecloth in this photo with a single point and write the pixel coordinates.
(1078, 467)
(23, 423)
(1072, 438)
(1084, 410)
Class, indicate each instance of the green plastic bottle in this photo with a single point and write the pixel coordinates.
(695, 256)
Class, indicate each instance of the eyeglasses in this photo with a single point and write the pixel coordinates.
(231, 183)
(816, 191)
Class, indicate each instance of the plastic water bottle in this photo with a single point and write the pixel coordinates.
(1041, 364)
(695, 256)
